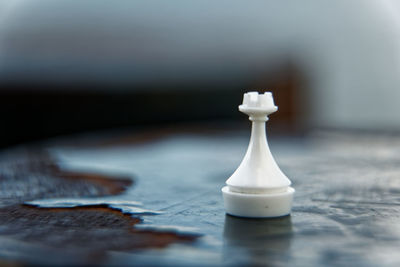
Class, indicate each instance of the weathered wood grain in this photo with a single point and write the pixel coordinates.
(346, 208)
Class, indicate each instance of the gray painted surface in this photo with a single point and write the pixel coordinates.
(345, 213)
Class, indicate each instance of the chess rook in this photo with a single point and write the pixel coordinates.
(258, 188)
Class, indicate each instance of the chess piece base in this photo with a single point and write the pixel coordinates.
(258, 205)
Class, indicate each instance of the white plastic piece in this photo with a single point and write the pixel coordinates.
(258, 188)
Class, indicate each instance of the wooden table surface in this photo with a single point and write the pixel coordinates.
(150, 198)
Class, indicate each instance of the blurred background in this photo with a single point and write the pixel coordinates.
(71, 66)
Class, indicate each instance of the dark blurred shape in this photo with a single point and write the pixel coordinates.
(35, 111)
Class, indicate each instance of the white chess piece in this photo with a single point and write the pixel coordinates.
(258, 188)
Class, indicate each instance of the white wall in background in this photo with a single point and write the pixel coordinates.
(349, 50)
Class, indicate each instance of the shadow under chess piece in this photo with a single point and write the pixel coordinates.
(257, 241)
